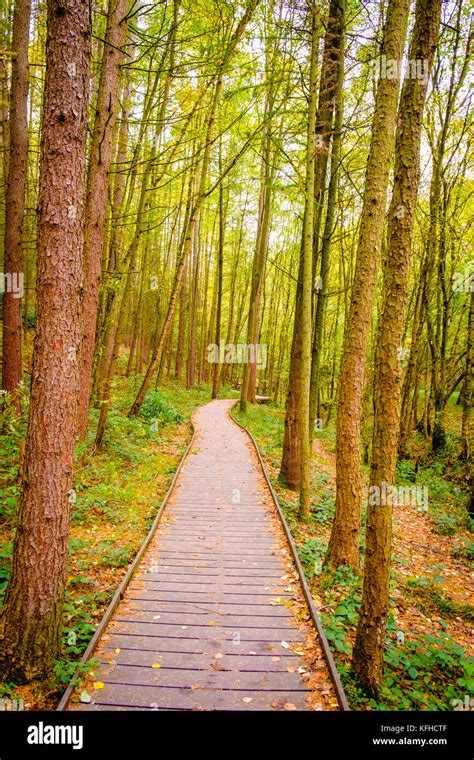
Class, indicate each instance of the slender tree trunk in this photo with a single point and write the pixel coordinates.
(32, 615)
(290, 467)
(220, 267)
(331, 94)
(344, 542)
(304, 336)
(96, 193)
(467, 434)
(369, 644)
(137, 310)
(14, 202)
(183, 308)
(267, 173)
(193, 309)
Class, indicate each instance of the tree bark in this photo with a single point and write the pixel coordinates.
(96, 192)
(304, 336)
(330, 105)
(344, 542)
(369, 644)
(32, 615)
(15, 201)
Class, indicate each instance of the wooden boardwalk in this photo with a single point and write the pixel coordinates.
(214, 618)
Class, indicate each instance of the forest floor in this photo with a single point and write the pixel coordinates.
(119, 490)
(429, 661)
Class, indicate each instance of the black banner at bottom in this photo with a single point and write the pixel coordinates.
(127, 735)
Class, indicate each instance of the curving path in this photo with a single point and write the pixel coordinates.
(214, 618)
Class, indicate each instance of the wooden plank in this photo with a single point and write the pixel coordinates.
(166, 572)
(222, 608)
(204, 597)
(155, 697)
(223, 561)
(205, 679)
(239, 585)
(236, 622)
(215, 632)
(157, 644)
(265, 663)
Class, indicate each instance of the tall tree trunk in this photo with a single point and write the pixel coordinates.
(193, 309)
(304, 336)
(330, 102)
(344, 542)
(96, 193)
(467, 434)
(220, 268)
(32, 615)
(183, 308)
(267, 173)
(15, 200)
(369, 644)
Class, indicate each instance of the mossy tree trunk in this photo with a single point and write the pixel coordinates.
(369, 644)
(344, 542)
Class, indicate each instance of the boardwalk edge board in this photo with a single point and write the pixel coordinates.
(333, 672)
(118, 595)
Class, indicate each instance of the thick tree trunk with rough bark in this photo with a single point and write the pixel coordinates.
(32, 615)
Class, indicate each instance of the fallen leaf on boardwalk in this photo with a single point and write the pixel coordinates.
(210, 622)
(156, 665)
(289, 706)
(301, 670)
(285, 644)
(156, 617)
(99, 685)
(247, 699)
(117, 650)
(276, 600)
(85, 697)
(291, 670)
(252, 653)
(218, 656)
